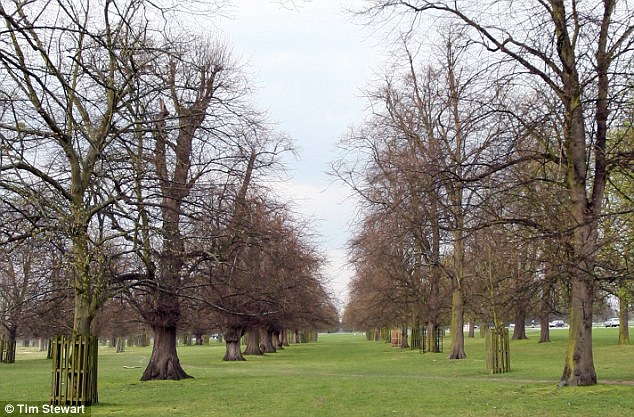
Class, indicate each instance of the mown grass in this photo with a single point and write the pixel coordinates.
(344, 375)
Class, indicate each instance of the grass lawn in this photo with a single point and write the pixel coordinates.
(344, 375)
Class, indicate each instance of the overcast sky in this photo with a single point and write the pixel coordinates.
(309, 65)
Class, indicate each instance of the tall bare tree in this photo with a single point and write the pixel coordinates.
(580, 51)
(64, 78)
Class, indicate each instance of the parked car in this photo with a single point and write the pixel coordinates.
(556, 323)
(612, 322)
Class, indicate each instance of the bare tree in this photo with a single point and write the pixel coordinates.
(63, 83)
(579, 51)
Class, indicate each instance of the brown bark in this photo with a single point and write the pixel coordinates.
(253, 342)
(284, 337)
(471, 329)
(232, 343)
(579, 368)
(266, 341)
(519, 332)
(164, 363)
(404, 344)
(457, 325)
(544, 333)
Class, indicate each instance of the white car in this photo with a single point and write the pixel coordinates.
(556, 323)
(612, 322)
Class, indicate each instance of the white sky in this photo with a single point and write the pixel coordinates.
(309, 64)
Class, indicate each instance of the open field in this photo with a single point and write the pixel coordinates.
(344, 375)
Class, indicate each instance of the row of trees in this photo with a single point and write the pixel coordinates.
(133, 168)
(495, 169)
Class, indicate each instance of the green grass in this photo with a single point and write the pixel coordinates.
(344, 375)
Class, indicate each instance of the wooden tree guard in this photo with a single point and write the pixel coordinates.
(415, 341)
(74, 373)
(7, 351)
(437, 343)
(498, 358)
(395, 336)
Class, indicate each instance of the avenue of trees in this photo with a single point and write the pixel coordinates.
(494, 170)
(133, 171)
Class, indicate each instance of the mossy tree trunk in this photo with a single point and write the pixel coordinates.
(624, 317)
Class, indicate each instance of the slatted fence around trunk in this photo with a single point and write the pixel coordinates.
(7, 350)
(74, 373)
(498, 357)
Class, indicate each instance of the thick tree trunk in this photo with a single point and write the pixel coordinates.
(276, 339)
(284, 338)
(457, 325)
(624, 318)
(519, 332)
(253, 342)
(544, 324)
(579, 368)
(232, 343)
(164, 363)
(266, 342)
(199, 339)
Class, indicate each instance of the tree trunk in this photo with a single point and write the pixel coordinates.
(544, 333)
(624, 318)
(232, 343)
(471, 329)
(276, 339)
(432, 346)
(83, 315)
(253, 342)
(164, 363)
(579, 367)
(284, 336)
(519, 332)
(266, 342)
(457, 325)
(199, 339)
(404, 344)
(120, 344)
